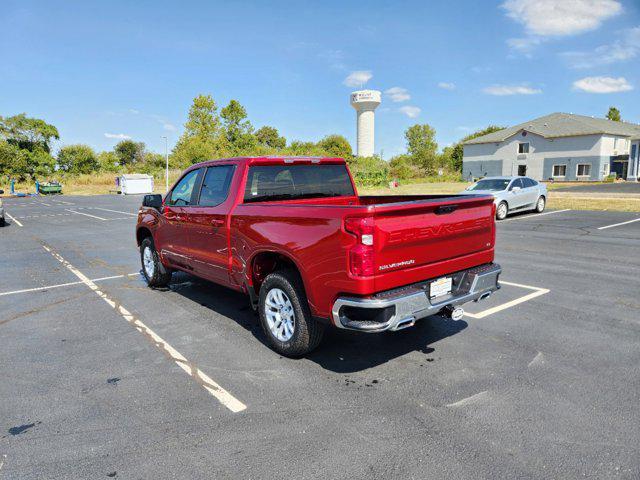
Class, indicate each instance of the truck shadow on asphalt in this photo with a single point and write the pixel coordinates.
(341, 351)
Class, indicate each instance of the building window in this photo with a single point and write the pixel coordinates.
(606, 169)
(523, 147)
(559, 171)
(584, 170)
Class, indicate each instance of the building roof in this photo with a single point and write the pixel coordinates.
(563, 125)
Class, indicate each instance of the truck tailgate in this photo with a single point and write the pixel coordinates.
(428, 232)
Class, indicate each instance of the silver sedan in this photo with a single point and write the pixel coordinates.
(512, 194)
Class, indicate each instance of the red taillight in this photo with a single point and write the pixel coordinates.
(361, 258)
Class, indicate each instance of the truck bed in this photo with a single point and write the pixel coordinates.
(415, 238)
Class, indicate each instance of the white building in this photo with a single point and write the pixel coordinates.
(560, 146)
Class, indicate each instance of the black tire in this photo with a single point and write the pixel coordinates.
(541, 203)
(2, 222)
(307, 332)
(160, 276)
(502, 210)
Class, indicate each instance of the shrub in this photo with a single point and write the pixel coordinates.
(370, 171)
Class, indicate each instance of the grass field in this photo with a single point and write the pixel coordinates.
(105, 183)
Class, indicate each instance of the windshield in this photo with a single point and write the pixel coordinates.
(286, 182)
(494, 185)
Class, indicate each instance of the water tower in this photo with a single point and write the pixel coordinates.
(365, 102)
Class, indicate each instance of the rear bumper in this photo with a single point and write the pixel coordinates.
(401, 307)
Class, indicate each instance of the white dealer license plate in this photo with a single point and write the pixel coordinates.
(440, 287)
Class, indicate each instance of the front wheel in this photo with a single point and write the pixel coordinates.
(540, 204)
(502, 211)
(155, 273)
(285, 316)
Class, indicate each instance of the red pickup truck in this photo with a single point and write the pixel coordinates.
(293, 234)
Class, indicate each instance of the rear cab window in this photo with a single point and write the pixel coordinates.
(289, 182)
(215, 186)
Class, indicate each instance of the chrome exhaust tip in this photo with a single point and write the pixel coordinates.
(406, 323)
(484, 296)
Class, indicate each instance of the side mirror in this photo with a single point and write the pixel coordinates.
(515, 189)
(153, 201)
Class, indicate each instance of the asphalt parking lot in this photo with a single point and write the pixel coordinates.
(105, 378)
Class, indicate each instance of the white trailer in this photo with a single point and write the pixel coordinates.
(135, 184)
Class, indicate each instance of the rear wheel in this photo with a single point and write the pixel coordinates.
(155, 273)
(540, 204)
(2, 222)
(502, 211)
(285, 316)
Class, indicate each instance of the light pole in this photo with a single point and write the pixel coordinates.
(166, 157)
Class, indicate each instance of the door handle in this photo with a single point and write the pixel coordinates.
(217, 223)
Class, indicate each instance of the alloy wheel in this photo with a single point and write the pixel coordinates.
(279, 313)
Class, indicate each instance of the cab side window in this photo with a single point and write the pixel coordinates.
(182, 194)
(215, 187)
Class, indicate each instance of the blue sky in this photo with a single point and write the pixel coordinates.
(102, 70)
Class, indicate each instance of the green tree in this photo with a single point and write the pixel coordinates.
(614, 114)
(14, 162)
(300, 148)
(41, 163)
(422, 146)
(26, 146)
(402, 166)
(269, 137)
(78, 159)
(455, 153)
(129, 152)
(108, 162)
(203, 138)
(28, 133)
(238, 130)
(203, 120)
(336, 146)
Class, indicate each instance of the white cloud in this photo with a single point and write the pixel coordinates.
(561, 17)
(119, 136)
(626, 48)
(169, 127)
(447, 86)
(398, 94)
(133, 111)
(410, 111)
(503, 90)
(358, 78)
(602, 85)
(524, 45)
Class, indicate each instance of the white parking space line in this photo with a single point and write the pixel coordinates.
(46, 204)
(68, 284)
(619, 224)
(115, 211)
(13, 219)
(537, 291)
(534, 215)
(62, 202)
(222, 395)
(85, 214)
